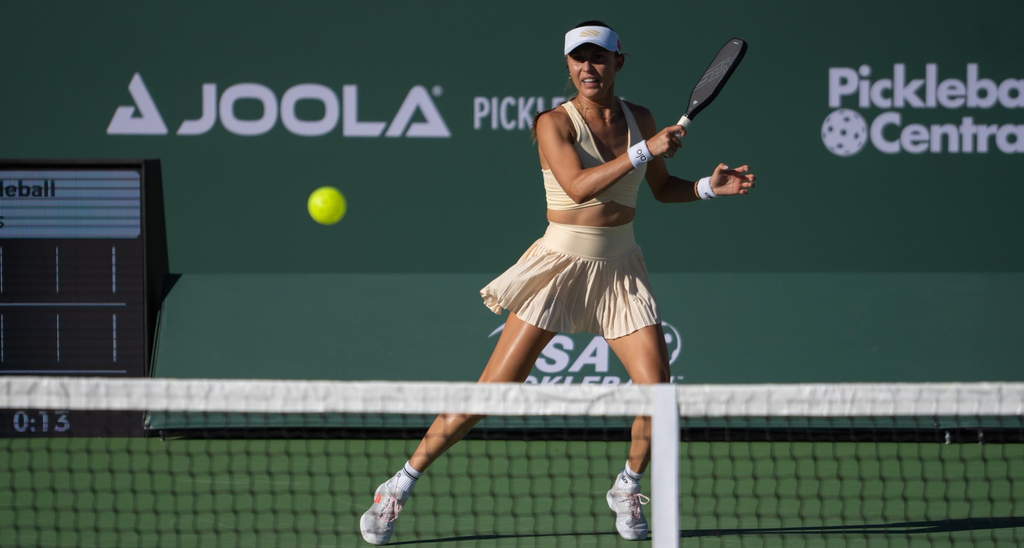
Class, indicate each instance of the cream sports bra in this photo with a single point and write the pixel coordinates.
(622, 192)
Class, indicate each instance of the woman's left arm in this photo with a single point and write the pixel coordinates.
(670, 189)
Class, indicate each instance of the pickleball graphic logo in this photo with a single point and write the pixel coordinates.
(915, 111)
(844, 132)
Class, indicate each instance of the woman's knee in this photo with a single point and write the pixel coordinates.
(649, 371)
(652, 377)
(457, 421)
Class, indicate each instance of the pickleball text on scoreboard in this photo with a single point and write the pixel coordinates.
(70, 204)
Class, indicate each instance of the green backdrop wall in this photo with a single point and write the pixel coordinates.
(418, 113)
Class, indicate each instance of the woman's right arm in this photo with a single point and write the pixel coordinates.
(555, 140)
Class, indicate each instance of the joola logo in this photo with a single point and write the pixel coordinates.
(143, 118)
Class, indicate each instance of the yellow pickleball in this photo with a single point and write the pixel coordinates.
(326, 205)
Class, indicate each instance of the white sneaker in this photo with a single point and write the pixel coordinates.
(378, 522)
(625, 500)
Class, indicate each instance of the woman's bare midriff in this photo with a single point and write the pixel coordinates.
(608, 214)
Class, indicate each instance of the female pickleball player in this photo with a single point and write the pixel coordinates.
(586, 273)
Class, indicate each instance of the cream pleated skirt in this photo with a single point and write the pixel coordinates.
(578, 278)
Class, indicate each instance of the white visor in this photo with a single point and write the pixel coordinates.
(601, 36)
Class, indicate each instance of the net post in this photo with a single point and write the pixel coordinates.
(665, 466)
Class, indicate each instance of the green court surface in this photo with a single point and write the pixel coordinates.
(310, 493)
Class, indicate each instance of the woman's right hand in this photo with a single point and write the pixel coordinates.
(667, 141)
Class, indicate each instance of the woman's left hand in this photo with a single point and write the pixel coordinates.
(728, 182)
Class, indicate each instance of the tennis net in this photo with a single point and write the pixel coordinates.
(170, 462)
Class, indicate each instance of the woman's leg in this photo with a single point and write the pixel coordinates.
(645, 357)
(518, 348)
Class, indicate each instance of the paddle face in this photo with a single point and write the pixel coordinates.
(716, 76)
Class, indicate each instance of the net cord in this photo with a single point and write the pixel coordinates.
(292, 396)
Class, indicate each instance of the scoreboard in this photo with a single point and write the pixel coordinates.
(83, 255)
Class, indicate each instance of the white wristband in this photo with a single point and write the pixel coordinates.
(639, 154)
(704, 189)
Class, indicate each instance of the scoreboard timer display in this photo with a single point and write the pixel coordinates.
(83, 255)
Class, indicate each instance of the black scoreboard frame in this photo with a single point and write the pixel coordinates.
(153, 233)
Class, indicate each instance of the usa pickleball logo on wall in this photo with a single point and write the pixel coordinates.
(585, 359)
(844, 132)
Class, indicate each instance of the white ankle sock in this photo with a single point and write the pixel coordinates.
(406, 477)
(629, 474)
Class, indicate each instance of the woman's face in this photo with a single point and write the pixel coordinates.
(592, 69)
